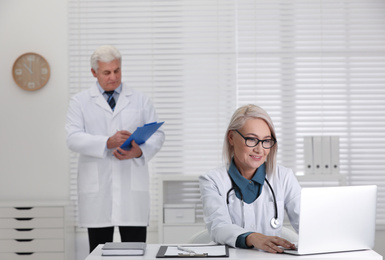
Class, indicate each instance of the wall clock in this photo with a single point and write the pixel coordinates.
(31, 71)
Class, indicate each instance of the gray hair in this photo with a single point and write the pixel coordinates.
(105, 53)
(239, 118)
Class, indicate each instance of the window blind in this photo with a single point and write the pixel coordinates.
(316, 66)
(180, 53)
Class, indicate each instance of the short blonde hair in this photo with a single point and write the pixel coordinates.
(239, 118)
(105, 53)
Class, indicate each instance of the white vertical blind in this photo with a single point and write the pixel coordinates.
(317, 67)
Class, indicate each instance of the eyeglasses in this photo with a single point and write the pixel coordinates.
(253, 142)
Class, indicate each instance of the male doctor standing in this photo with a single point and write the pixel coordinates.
(244, 201)
(113, 184)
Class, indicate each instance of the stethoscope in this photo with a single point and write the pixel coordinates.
(274, 222)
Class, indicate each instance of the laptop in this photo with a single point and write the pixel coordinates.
(336, 219)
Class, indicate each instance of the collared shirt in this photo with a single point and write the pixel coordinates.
(117, 92)
(247, 190)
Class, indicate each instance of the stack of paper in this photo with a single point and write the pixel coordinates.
(124, 248)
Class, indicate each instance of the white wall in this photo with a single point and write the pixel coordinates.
(33, 153)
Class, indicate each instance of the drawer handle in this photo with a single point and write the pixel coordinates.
(23, 208)
(24, 253)
(23, 219)
(24, 240)
(23, 229)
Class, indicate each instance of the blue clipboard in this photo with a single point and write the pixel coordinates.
(141, 134)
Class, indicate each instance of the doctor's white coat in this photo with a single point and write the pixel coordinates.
(224, 221)
(111, 192)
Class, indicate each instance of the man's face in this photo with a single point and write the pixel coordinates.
(109, 74)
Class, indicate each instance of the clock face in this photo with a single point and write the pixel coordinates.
(31, 71)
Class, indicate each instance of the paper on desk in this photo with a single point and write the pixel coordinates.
(214, 250)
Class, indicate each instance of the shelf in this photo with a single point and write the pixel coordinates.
(341, 179)
(179, 190)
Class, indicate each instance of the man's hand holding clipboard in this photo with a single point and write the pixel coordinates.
(130, 148)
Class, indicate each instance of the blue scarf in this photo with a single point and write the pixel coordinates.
(248, 190)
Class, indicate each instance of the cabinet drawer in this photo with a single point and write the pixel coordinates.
(32, 246)
(179, 213)
(31, 223)
(34, 256)
(31, 212)
(30, 233)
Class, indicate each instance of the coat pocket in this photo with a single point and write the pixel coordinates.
(139, 178)
(269, 210)
(88, 179)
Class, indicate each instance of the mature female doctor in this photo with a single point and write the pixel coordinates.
(244, 201)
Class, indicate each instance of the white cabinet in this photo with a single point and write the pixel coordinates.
(180, 208)
(36, 230)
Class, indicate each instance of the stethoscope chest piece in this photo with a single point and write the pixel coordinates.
(275, 223)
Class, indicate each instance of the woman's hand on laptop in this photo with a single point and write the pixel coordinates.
(270, 244)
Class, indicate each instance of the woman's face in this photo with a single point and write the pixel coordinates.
(248, 159)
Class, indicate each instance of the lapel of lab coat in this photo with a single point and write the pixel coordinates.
(123, 100)
(99, 99)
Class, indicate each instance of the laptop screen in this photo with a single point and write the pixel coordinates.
(334, 219)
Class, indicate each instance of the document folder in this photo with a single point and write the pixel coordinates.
(326, 155)
(193, 251)
(335, 161)
(308, 154)
(141, 134)
(317, 154)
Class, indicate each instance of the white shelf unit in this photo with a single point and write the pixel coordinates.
(36, 231)
(179, 193)
(322, 180)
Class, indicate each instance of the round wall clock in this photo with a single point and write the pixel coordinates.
(31, 71)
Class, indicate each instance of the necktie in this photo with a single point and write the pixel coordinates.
(110, 99)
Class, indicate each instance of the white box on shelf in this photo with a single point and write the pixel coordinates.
(179, 213)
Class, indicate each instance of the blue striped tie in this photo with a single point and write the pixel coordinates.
(111, 99)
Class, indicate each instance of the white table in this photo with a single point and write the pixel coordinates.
(236, 253)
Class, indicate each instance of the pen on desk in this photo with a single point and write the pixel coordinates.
(188, 250)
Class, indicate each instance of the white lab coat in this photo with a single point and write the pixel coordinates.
(111, 192)
(224, 221)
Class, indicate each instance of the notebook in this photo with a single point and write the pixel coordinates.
(336, 219)
(124, 248)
